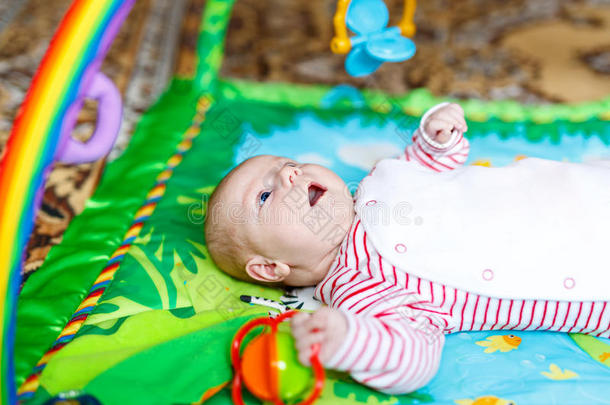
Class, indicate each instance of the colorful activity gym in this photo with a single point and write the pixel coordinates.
(128, 307)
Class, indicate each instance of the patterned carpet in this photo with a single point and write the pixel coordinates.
(533, 52)
(140, 62)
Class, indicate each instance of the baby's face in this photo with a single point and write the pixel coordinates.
(287, 211)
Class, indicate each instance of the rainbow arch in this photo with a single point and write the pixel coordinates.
(54, 97)
(507, 120)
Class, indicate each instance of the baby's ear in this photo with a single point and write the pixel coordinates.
(263, 269)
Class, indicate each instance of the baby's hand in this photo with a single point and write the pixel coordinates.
(442, 122)
(326, 326)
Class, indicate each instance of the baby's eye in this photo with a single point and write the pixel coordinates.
(291, 164)
(263, 197)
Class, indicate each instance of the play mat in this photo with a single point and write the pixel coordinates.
(130, 309)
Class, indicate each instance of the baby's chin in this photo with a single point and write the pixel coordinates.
(343, 216)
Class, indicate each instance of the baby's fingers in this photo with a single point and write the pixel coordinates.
(438, 125)
(319, 319)
(440, 130)
(456, 107)
(304, 343)
(453, 117)
(299, 323)
(299, 318)
(456, 112)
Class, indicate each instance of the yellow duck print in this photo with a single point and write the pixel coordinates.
(482, 162)
(503, 343)
(604, 356)
(486, 400)
(555, 373)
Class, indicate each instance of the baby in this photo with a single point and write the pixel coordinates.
(427, 247)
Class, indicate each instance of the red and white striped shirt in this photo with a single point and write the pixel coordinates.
(397, 321)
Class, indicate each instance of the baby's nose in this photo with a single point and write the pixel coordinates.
(289, 174)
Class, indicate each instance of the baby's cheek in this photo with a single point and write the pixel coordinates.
(291, 236)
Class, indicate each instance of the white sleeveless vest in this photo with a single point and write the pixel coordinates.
(536, 229)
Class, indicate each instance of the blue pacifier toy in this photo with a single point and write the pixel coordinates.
(375, 42)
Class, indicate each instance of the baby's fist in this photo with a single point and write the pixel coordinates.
(327, 327)
(444, 121)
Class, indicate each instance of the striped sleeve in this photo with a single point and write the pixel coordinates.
(394, 339)
(433, 155)
(389, 355)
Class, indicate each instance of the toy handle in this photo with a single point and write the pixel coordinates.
(340, 43)
(109, 111)
(406, 24)
(318, 372)
(236, 361)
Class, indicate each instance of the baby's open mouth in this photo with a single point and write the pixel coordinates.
(315, 192)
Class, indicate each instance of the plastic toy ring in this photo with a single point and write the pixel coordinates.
(276, 365)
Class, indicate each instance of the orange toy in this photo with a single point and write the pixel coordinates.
(268, 366)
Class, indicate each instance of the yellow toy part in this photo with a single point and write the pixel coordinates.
(341, 44)
(406, 24)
